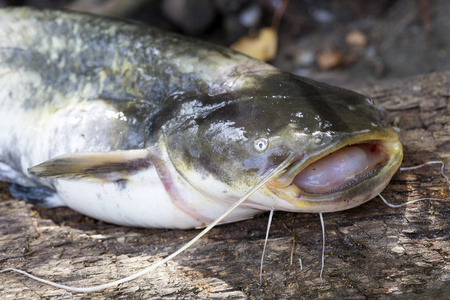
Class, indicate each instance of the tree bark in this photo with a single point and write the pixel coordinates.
(372, 251)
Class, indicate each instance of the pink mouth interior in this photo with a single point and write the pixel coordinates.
(340, 168)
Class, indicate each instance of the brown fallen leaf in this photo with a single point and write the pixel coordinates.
(263, 46)
(330, 59)
(356, 38)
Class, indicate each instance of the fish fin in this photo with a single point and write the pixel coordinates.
(108, 166)
(36, 195)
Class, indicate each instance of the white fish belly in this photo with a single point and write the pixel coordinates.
(140, 201)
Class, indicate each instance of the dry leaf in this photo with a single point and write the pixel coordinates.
(330, 59)
(262, 47)
(356, 38)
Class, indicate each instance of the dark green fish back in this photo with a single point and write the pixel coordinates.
(135, 68)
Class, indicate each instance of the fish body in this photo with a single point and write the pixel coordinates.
(139, 127)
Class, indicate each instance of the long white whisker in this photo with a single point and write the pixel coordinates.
(420, 199)
(268, 177)
(323, 247)
(427, 163)
(410, 202)
(265, 244)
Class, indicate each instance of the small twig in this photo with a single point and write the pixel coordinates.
(278, 15)
(294, 242)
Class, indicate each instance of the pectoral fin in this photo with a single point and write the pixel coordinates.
(109, 166)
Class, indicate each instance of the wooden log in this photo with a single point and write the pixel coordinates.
(372, 251)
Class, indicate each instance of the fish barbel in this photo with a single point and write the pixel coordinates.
(140, 127)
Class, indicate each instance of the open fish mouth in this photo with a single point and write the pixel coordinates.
(328, 176)
(341, 169)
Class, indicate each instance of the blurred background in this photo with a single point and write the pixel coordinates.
(344, 42)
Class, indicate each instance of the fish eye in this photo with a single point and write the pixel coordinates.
(261, 144)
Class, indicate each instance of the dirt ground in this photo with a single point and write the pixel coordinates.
(335, 41)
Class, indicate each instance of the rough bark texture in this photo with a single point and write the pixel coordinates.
(373, 251)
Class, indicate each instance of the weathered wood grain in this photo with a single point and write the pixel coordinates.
(373, 251)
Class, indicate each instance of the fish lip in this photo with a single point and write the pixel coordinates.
(284, 182)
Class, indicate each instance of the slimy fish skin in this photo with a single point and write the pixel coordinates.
(139, 127)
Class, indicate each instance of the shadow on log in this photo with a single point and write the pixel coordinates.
(372, 251)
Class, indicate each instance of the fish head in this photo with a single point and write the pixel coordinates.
(340, 152)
